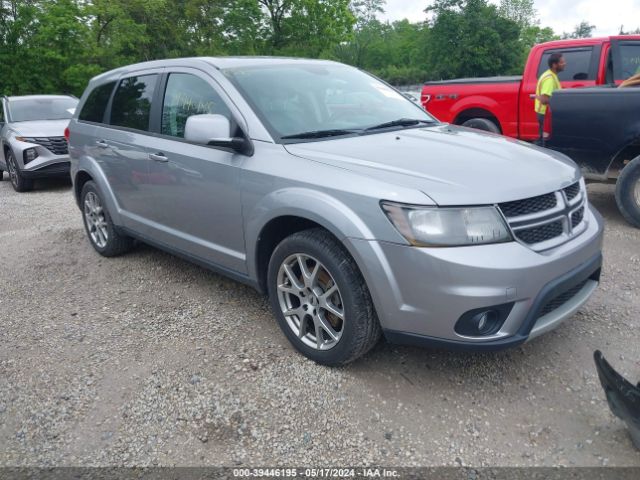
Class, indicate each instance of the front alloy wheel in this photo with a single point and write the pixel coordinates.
(320, 299)
(18, 182)
(310, 301)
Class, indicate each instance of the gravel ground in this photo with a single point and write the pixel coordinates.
(149, 360)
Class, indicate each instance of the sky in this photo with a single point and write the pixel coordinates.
(561, 15)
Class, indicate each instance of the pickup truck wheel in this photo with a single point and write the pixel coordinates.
(628, 192)
(19, 183)
(482, 124)
(320, 299)
(104, 237)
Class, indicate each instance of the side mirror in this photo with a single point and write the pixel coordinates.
(215, 130)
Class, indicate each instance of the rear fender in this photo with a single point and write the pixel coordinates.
(90, 166)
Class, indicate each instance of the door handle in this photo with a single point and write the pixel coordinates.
(532, 96)
(158, 157)
(102, 144)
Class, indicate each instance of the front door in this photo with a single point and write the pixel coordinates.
(193, 189)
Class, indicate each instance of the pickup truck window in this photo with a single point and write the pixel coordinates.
(578, 64)
(630, 59)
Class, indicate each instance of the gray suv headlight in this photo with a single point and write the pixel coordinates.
(448, 227)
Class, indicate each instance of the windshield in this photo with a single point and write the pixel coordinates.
(28, 109)
(292, 99)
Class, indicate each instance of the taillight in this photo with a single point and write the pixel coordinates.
(425, 98)
(66, 134)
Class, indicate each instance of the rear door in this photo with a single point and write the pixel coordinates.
(581, 71)
(124, 145)
(194, 189)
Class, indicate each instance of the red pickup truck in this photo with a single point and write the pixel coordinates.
(505, 104)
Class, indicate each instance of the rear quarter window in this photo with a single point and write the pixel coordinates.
(96, 104)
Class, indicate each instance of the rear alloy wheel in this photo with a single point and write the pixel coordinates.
(320, 299)
(483, 124)
(628, 192)
(19, 183)
(104, 237)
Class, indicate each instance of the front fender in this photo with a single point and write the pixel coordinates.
(323, 209)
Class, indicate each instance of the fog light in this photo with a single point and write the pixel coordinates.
(30, 154)
(482, 322)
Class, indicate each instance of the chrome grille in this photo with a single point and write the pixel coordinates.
(56, 145)
(577, 217)
(572, 191)
(548, 220)
(540, 234)
(529, 205)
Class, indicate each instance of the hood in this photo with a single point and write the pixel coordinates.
(40, 128)
(452, 165)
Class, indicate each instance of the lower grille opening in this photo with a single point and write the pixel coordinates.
(561, 299)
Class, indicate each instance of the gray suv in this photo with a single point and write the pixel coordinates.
(357, 212)
(32, 137)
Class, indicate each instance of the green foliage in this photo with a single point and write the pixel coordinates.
(52, 46)
(583, 30)
(470, 39)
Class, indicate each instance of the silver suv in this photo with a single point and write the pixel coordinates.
(32, 137)
(355, 210)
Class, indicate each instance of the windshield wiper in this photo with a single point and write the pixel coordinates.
(319, 134)
(401, 122)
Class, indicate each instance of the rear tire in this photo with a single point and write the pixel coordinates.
(628, 192)
(332, 329)
(103, 235)
(18, 182)
(482, 124)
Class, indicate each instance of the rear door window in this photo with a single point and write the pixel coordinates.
(131, 105)
(630, 59)
(578, 67)
(96, 104)
(188, 95)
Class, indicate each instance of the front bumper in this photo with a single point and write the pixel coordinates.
(46, 164)
(58, 169)
(420, 293)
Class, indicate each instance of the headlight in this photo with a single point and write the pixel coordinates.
(448, 227)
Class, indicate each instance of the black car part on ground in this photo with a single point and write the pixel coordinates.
(622, 396)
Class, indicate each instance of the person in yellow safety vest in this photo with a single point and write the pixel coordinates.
(547, 84)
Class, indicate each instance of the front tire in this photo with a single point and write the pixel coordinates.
(18, 182)
(320, 299)
(483, 124)
(628, 192)
(103, 235)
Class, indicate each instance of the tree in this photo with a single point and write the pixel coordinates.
(520, 11)
(470, 38)
(367, 30)
(582, 30)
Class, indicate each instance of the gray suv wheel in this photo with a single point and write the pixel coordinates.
(104, 237)
(320, 299)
